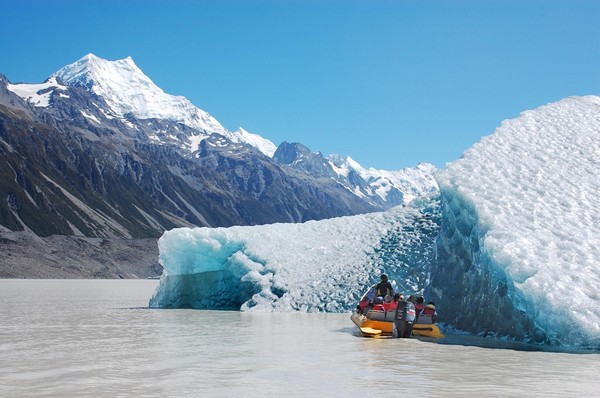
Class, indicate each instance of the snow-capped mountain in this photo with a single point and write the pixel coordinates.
(381, 188)
(128, 91)
(101, 151)
(393, 187)
(123, 93)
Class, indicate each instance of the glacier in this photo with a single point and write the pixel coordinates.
(38, 94)
(508, 247)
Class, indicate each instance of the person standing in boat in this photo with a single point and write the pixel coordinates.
(384, 288)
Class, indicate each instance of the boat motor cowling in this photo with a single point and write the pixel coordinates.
(404, 319)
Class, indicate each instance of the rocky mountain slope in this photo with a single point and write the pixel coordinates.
(99, 151)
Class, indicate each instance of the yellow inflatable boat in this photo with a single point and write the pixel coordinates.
(400, 322)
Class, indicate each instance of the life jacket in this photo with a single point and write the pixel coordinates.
(429, 310)
(362, 304)
(419, 308)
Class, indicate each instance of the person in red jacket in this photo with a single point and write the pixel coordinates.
(394, 303)
(430, 310)
(419, 304)
(366, 301)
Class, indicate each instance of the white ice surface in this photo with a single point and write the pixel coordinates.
(535, 186)
(320, 265)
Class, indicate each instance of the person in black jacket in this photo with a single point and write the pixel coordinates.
(384, 288)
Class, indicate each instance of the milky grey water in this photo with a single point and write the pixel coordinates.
(73, 338)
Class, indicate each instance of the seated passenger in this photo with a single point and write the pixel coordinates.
(430, 310)
(387, 301)
(366, 301)
(378, 304)
(419, 304)
(394, 303)
(362, 304)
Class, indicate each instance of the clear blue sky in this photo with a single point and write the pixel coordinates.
(389, 83)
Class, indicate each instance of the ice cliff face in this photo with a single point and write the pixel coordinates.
(510, 248)
(315, 266)
(520, 239)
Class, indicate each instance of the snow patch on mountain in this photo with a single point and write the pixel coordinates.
(38, 94)
(264, 145)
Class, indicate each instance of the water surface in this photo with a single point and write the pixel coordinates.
(74, 338)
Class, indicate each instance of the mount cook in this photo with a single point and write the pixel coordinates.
(99, 155)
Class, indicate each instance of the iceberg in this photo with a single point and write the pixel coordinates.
(509, 246)
(317, 266)
(520, 236)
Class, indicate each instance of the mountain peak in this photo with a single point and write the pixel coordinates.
(127, 90)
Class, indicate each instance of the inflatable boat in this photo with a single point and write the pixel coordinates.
(401, 322)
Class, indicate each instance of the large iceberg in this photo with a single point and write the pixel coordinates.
(508, 248)
(519, 250)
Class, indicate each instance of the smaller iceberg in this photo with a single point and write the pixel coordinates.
(317, 266)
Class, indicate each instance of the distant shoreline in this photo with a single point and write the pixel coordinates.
(24, 255)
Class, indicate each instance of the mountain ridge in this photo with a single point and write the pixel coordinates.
(113, 80)
(129, 93)
(74, 163)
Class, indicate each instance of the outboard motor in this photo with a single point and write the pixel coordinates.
(404, 319)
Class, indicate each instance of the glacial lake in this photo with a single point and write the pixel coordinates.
(98, 338)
